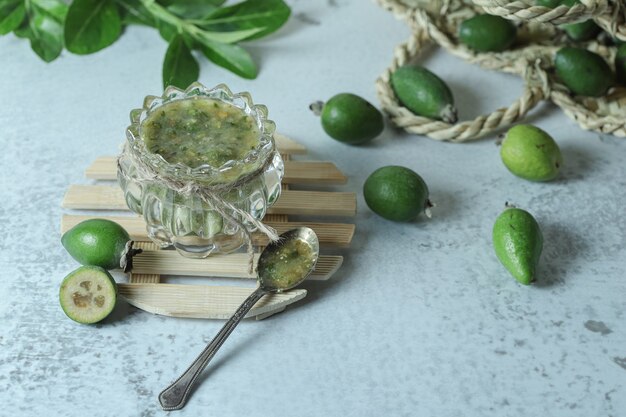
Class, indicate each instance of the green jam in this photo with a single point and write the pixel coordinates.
(285, 268)
(199, 131)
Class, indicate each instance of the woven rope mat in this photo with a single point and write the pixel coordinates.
(532, 58)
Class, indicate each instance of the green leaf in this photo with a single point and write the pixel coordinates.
(225, 37)
(180, 68)
(133, 12)
(11, 16)
(56, 9)
(232, 57)
(22, 31)
(267, 14)
(193, 9)
(215, 3)
(91, 25)
(167, 30)
(44, 27)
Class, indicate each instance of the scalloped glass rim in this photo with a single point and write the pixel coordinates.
(221, 92)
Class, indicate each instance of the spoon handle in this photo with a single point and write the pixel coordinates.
(175, 396)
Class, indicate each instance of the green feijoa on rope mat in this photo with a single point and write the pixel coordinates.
(88, 294)
(518, 241)
(396, 193)
(349, 118)
(487, 33)
(424, 93)
(582, 31)
(585, 73)
(531, 153)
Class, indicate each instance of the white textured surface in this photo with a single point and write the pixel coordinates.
(421, 320)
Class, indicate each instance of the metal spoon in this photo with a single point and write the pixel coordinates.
(175, 396)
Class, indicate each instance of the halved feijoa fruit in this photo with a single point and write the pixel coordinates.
(88, 294)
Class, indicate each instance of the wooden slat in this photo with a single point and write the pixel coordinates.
(296, 172)
(143, 278)
(288, 146)
(234, 265)
(106, 197)
(329, 234)
(202, 301)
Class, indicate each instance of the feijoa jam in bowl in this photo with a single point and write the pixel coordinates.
(201, 167)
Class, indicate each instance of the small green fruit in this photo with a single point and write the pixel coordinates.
(531, 153)
(582, 31)
(96, 242)
(518, 241)
(396, 193)
(88, 294)
(487, 33)
(424, 93)
(350, 119)
(583, 72)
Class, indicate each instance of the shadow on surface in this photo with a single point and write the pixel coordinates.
(561, 249)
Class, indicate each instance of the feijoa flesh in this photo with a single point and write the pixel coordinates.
(88, 294)
(351, 119)
(584, 72)
(396, 193)
(424, 93)
(487, 33)
(97, 242)
(531, 153)
(518, 241)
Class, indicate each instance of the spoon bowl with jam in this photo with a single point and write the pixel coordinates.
(283, 265)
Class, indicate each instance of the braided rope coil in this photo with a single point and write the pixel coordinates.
(533, 60)
(526, 10)
(439, 130)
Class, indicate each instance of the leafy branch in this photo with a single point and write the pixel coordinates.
(207, 26)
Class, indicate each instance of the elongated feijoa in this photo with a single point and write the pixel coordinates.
(585, 73)
(96, 242)
(487, 33)
(620, 64)
(396, 193)
(88, 294)
(518, 241)
(350, 119)
(424, 93)
(531, 153)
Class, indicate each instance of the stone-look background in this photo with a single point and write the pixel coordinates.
(421, 320)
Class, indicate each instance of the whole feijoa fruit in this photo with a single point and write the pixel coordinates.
(98, 242)
(424, 93)
(396, 193)
(518, 241)
(582, 31)
(531, 153)
(487, 33)
(350, 119)
(585, 73)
